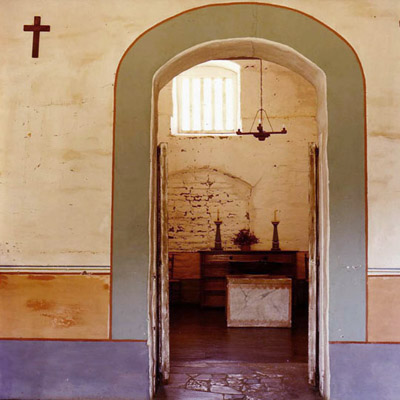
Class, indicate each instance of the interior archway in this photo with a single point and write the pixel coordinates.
(344, 206)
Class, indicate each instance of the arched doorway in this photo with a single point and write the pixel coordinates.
(343, 209)
(284, 56)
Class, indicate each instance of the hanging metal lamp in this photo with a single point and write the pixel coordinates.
(261, 134)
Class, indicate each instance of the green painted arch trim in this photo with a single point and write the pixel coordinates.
(346, 153)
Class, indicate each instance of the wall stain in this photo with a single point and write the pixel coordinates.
(41, 277)
(38, 305)
(66, 317)
(385, 135)
(3, 281)
(72, 155)
(61, 321)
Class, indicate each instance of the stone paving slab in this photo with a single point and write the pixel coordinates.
(238, 381)
(180, 394)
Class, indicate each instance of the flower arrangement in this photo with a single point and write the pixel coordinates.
(245, 238)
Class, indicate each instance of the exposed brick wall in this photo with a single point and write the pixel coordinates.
(195, 196)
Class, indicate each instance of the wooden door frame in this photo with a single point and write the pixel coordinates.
(289, 58)
(162, 275)
(313, 267)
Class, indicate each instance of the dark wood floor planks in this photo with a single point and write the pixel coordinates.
(201, 334)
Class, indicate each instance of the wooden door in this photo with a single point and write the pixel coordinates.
(313, 269)
(163, 363)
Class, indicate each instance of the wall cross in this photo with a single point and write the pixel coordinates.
(36, 28)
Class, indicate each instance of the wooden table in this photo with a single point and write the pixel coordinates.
(216, 265)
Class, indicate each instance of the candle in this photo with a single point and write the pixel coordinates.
(275, 219)
(218, 215)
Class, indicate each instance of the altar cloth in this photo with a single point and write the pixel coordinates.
(259, 301)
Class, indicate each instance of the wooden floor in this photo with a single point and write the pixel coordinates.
(212, 362)
(202, 334)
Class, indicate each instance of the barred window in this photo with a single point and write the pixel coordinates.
(206, 99)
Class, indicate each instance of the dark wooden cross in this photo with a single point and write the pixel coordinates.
(36, 28)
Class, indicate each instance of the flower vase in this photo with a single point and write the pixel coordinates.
(245, 247)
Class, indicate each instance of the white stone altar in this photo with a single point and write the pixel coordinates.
(259, 301)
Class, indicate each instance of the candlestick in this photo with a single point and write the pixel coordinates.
(218, 241)
(275, 237)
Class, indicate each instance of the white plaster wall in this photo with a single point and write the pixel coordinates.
(68, 92)
(276, 170)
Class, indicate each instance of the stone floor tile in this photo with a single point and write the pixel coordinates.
(256, 386)
(237, 386)
(193, 384)
(252, 380)
(203, 377)
(219, 376)
(223, 389)
(183, 394)
(178, 380)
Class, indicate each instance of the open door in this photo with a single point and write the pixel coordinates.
(162, 339)
(313, 270)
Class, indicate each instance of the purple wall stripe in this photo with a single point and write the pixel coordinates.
(59, 370)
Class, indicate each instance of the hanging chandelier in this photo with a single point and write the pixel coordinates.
(261, 134)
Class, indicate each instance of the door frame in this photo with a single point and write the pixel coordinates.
(313, 268)
(162, 297)
(282, 55)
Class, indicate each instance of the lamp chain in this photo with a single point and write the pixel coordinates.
(261, 110)
(261, 91)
